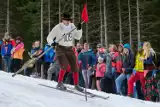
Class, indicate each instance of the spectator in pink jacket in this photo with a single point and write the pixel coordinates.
(100, 70)
(17, 54)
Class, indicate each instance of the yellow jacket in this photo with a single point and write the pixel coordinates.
(139, 64)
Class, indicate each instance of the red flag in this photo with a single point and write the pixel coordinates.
(85, 14)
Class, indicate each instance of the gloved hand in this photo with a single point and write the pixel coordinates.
(54, 43)
(79, 26)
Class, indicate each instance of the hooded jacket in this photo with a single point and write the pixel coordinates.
(6, 47)
(87, 59)
(17, 51)
(49, 56)
(100, 69)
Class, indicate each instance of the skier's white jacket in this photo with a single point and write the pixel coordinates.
(59, 30)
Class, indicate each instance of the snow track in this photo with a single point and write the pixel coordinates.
(22, 91)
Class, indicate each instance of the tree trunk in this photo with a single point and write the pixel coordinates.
(130, 24)
(120, 22)
(101, 22)
(105, 24)
(87, 32)
(59, 11)
(80, 8)
(8, 23)
(138, 23)
(42, 74)
(49, 16)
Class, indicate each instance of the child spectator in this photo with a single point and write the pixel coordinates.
(100, 70)
(100, 52)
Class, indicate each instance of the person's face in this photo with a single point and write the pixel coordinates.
(86, 46)
(78, 46)
(66, 22)
(33, 46)
(98, 47)
(111, 49)
(17, 41)
(144, 46)
(125, 51)
(120, 48)
(37, 44)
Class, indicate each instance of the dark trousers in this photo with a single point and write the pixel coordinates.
(46, 67)
(68, 79)
(38, 67)
(139, 90)
(7, 63)
(15, 65)
(106, 85)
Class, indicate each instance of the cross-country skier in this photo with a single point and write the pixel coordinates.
(64, 48)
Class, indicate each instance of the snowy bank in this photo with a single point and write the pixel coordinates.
(22, 91)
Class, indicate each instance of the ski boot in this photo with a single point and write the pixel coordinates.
(78, 88)
(61, 86)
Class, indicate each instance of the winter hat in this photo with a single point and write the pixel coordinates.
(66, 16)
(126, 46)
(18, 38)
(100, 58)
(101, 50)
(120, 45)
(140, 45)
(99, 45)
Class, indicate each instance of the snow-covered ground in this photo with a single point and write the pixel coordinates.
(22, 91)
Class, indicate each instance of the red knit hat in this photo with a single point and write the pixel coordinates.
(101, 50)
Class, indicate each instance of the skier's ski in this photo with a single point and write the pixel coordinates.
(68, 90)
(74, 91)
(89, 93)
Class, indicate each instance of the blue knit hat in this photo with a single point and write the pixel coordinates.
(126, 46)
(140, 45)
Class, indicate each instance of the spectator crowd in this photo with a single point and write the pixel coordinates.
(115, 69)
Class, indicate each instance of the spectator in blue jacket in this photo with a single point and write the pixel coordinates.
(35, 52)
(48, 59)
(6, 48)
(87, 59)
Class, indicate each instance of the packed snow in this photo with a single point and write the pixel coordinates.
(22, 91)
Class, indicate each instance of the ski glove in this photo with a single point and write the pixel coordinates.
(79, 26)
(54, 43)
